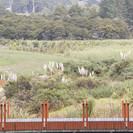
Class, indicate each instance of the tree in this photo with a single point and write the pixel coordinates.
(91, 12)
(121, 9)
(91, 2)
(75, 11)
(128, 14)
(60, 11)
(108, 9)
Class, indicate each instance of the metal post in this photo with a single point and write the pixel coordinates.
(46, 116)
(8, 110)
(127, 115)
(126, 110)
(83, 113)
(42, 116)
(44, 109)
(47, 109)
(4, 115)
(1, 116)
(86, 114)
(122, 109)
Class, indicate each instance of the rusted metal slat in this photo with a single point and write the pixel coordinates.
(47, 109)
(42, 116)
(1, 118)
(4, 115)
(83, 114)
(46, 116)
(28, 125)
(86, 114)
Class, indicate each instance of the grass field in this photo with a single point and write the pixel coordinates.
(25, 62)
(112, 81)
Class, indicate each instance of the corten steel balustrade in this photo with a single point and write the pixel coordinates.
(106, 123)
(64, 123)
(46, 123)
(1, 114)
(129, 120)
(22, 124)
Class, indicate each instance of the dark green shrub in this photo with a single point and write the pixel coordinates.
(130, 96)
(88, 83)
(90, 106)
(117, 71)
(45, 44)
(101, 92)
(85, 82)
(23, 83)
(56, 98)
(71, 67)
(4, 42)
(36, 44)
(10, 89)
(24, 43)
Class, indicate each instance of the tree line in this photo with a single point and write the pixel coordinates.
(110, 20)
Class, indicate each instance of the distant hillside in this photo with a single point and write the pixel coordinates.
(28, 6)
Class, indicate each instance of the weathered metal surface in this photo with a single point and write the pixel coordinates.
(1, 115)
(106, 125)
(130, 125)
(65, 125)
(23, 126)
(28, 125)
(55, 126)
(74, 125)
(9, 126)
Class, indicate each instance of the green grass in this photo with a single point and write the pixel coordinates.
(25, 62)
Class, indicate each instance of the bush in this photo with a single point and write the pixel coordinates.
(4, 42)
(10, 89)
(121, 88)
(23, 83)
(130, 96)
(85, 82)
(90, 106)
(32, 91)
(56, 98)
(24, 43)
(36, 44)
(101, 92)
(71, 67)
(117, 71)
